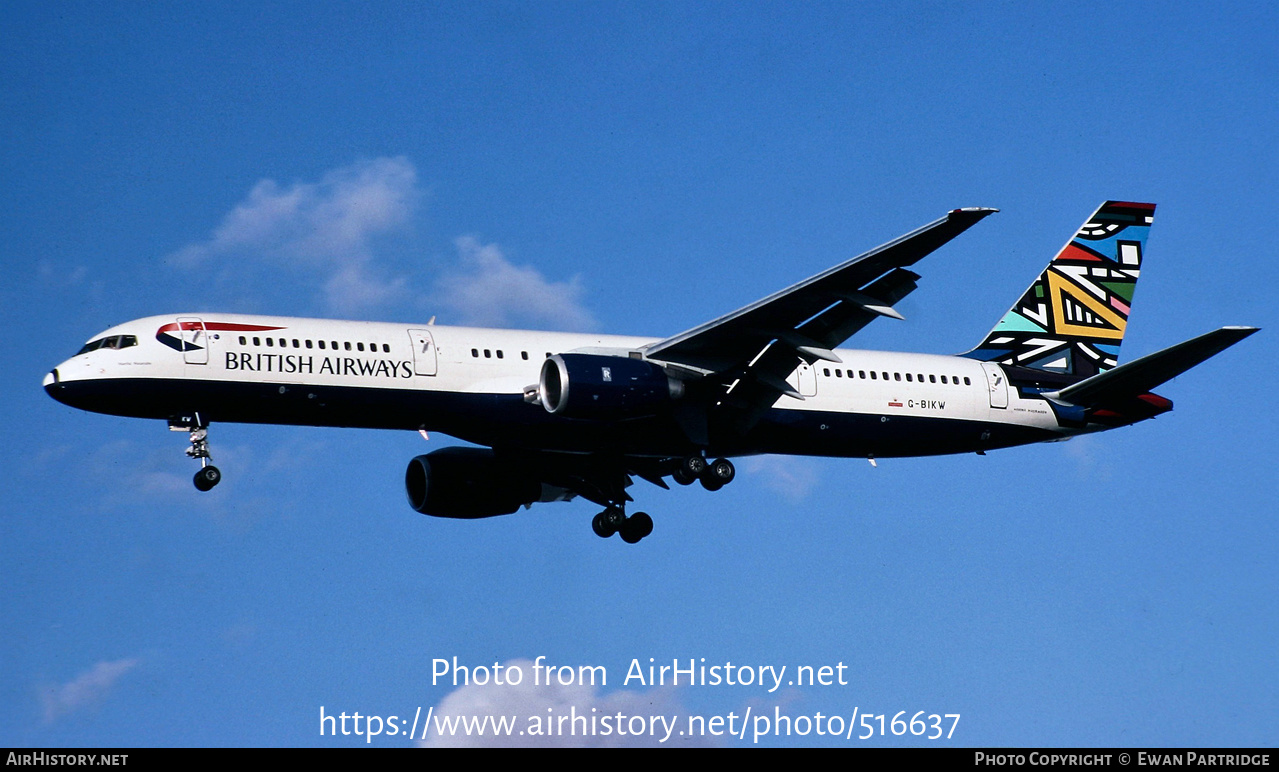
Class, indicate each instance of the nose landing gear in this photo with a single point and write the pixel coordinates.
(198, 433)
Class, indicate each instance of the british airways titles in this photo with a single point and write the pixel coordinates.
(305, 363)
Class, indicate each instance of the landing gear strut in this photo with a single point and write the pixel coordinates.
(198, 432)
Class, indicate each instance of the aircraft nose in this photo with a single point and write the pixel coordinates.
(54, 387)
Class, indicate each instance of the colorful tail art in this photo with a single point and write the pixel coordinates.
(1072, 318)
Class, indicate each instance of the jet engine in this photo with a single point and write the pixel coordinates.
(605, 387)
(468, 483)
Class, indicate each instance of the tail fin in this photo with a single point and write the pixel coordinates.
(1072, 319)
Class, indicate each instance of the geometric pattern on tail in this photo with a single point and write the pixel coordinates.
(1072, 318)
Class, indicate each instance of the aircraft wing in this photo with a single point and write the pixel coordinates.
(753, 349)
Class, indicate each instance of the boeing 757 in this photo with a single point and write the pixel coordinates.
(563, 415)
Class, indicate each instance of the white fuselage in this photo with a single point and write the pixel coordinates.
(470, 382)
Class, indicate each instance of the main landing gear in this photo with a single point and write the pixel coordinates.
(713, 476)
(614, 520)
(198, 432)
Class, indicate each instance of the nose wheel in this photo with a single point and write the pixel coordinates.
(207, 477)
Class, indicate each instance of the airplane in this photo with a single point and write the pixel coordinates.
(564, 415)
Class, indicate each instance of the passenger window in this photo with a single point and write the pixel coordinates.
(257, 342)
(321, 344)
(499, 353)
(524, 355)
(296, 344)
(967, 382)
(308, 343)
(242, 341)
(897, 376)
(488, 354)
(885, 376)
(932, 379)
(346, 344)
(475, 352)
(908, 380)
(359, 346)
(943, 379)
(839, 374)
(862, 374)
(873, 376)
(826, 371)
(270, 341)
(386, 348)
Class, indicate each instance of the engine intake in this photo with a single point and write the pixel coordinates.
(604, 387)
(468, 483)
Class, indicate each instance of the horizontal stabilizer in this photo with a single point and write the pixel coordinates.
(1141, 375)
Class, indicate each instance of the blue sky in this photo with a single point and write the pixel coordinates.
(638, 169)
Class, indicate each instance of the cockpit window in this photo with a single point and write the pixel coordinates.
(111, 341)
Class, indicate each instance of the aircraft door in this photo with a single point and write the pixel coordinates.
(804, 379)
(423, 352)
(997, 384)
(195, 340)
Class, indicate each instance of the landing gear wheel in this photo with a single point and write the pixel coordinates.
(690, 469)
(718, 474)
(608, 522)
(723, 470)
(636, 527)
(207, 477)
(682, 477)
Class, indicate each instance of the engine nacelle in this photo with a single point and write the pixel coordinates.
(604, 387)
(468, 483)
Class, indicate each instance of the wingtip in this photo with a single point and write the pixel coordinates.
(980, 211)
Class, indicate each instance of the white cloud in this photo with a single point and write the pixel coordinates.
(330, 221)
(534, 705)
(324, 233)
(1084, 450)
(85, 690)
(486, 290)
(326, 226)
(353, 288)
(791, 477)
